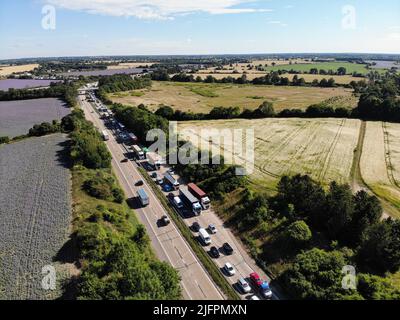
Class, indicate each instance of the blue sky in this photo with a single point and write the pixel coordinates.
(130, 27)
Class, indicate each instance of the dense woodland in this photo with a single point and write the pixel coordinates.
(121, 82)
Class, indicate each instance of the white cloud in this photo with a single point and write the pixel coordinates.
(277, 22)
(155, 9)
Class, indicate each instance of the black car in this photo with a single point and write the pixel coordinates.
(196, 227)
(214, 252)
(124, 160)
(139, 183)
(227, 248)
(165, 220)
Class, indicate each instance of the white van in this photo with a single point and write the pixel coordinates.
(178, 203)
(204, 236)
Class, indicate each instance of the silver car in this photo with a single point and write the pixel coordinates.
(244, 285)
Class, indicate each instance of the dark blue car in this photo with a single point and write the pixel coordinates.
(167, 188)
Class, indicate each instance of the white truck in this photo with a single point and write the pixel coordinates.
(204, 236)
(143, 197)
(105, 135)
(154, 160)
(190, 200)
(138, 151)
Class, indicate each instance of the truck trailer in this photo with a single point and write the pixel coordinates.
(154, 160)
(171, 180)
(191, 201)
(105, 135)
(138, 151)
(143, 197)
(200, 195)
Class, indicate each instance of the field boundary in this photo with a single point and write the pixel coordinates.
(388, 159)
(358, 182)
(206, 261)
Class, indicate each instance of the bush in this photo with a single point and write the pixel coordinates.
(102, 186)
(45, 128)
(298, 233)
(4, 140)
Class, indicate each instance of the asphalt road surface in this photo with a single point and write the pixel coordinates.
(167, 242)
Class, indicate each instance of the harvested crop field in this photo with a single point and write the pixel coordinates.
(321, 148)
(380, 161)
(202, 97)
(7, 70)
(24, 83)
(18, 116)
(35, 215)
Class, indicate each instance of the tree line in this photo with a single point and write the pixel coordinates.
(121, 82)
(273, 78)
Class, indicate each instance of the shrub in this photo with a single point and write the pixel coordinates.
(298, 233)
(4, 139)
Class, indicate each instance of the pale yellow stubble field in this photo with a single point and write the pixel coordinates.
(380, 161)
(321, 148)
(128, 65)
(8, 70)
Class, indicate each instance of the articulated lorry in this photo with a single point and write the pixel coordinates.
(200, 195)
(190, 200)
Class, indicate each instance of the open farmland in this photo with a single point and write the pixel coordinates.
(35, 214)
(107, 72)
(17, 117)
(7, 70)
(321, 148)
(202, 97)
(128, 65)
(380, 161)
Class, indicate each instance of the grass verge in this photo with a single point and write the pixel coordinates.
(210, 266)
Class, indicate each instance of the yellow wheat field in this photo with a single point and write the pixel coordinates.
(321, 148)
(380, 161)
(8, 70)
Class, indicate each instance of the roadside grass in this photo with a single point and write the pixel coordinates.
(387, 193)
(84, 205)
(209, 265)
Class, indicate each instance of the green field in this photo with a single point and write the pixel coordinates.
(202, 97)
(305, 68)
